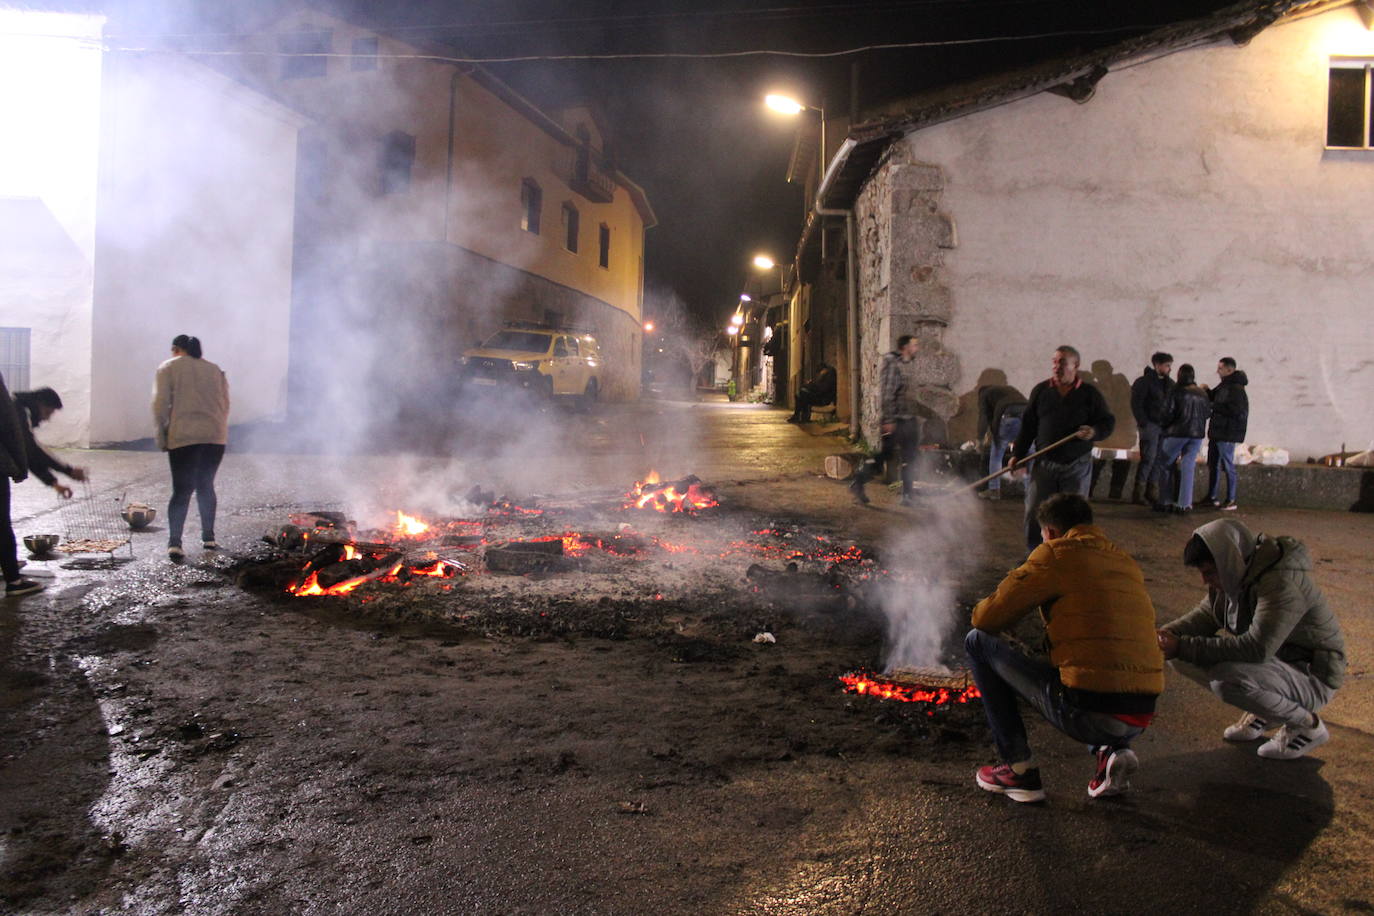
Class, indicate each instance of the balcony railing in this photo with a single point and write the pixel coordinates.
(587, 173)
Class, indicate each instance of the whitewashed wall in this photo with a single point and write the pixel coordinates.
(1190, 207)
(197, 195)
(49, 120)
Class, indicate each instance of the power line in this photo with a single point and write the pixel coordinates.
(648, 55)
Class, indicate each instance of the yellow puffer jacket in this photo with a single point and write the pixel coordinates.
(1099, 618)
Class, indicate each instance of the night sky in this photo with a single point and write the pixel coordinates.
(694, 132)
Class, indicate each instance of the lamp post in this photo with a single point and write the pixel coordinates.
(787, 105)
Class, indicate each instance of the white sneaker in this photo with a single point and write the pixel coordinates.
(1291, 742)
(175, 553)
(1248, 727)
(210, 545)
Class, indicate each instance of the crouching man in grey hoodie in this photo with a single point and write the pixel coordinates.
(1262, 640)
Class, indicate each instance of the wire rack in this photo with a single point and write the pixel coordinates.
(93, 525)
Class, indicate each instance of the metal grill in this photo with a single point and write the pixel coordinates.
(93, 524)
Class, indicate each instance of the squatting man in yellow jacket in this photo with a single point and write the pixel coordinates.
(1263, 638)
(1105, 668)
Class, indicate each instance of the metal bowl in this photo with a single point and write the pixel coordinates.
(138, 515)
(39, 544)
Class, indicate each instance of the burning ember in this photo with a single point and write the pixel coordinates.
(685, 495)
(341, 568)
(867, 685)
(408, 526)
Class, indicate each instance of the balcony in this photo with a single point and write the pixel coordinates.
(587, 173)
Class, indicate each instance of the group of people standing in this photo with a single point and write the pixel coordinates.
(191, 423)
(1173, 418)
(1263, 639)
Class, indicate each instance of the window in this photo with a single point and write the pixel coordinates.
(570, 218)
(604, 258)
(398, 157)
(302, 50)
(14, 358)
(1348, 105)
(531, 203)
(364, 54)
(560, 347)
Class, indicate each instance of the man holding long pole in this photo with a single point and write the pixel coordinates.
(1061, 406)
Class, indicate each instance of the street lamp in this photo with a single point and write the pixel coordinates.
(736, 320)
(764, 262)
(733, 329)
(787, 105)
(648, 327)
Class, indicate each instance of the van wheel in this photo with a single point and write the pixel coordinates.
(589, 396)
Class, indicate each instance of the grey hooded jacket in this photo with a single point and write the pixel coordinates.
(1268, 607)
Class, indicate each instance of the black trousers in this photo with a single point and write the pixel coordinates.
(902, 444)
(193, 471)
(807, 399)
(9, 550)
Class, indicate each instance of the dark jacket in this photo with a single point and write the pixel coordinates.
(1049, 418)
(821, 388)
(1150, 397)
(1230, 409)
(994, 401)
(14, 462)
(1186, 413)
(41, 464)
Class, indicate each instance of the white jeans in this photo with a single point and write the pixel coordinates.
(1273, 690)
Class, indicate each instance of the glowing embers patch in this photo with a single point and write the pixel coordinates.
(685, 495)
(341, 569)
(869, 685)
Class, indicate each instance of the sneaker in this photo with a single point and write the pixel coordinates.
(1291, 742)
(1180, 510)
(990, 494)
(1228, 506)
(1114, 769)
(1208, 503)
(1248, 727)
(856, 490)
(210, 545)
(1002, 780)
(22, 586)
(907, 500)
(175, 553)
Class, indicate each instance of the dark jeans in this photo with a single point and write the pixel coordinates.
(9, 551)
(901, 444)
(1150, 438)
(193, 471)
(1221, 459)
(1003, 674)
(1048, 478)
(807, 399)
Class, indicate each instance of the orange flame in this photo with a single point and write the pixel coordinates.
(647, 494)
(408, 526)
(865, 685)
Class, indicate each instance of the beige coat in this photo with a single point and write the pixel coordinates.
(190, 403)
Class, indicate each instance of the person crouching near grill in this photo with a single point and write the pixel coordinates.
(1104, 671)
(1263, 639)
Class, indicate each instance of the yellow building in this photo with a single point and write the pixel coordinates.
(433, 204)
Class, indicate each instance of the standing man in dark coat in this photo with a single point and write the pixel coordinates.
(14, 465)
(1149, 395)
(902, 414)
(1061, 405)
(1230, 417)
(999, 420)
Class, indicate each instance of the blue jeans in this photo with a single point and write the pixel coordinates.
(1003, 674)
(1169, 452)
(1048, 478)
(1002, 438)
(1221, 459)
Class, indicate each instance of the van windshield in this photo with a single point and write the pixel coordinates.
(523, 341)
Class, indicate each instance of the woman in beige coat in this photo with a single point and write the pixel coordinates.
(191, 415)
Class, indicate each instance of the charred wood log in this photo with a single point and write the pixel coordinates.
(522, 557)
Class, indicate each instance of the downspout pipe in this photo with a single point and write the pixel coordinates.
(458, 73)
(851, 275)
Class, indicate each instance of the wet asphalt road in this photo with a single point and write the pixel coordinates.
(1210, 827)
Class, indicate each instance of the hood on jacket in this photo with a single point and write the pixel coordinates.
(1236, 378)
(1232, 545)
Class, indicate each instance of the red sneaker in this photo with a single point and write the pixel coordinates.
(1114, 769)
(1002, 780)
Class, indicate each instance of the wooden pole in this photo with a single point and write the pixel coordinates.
(1013, 466)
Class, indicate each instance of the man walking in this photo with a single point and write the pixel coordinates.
(901, 420)
(1060, 406)
(999, 421)
(1149, 395)
(14, 465)
(1104, 671)
(1263, 639)
(1230, 417)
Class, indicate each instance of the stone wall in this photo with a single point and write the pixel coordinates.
(902, 237)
